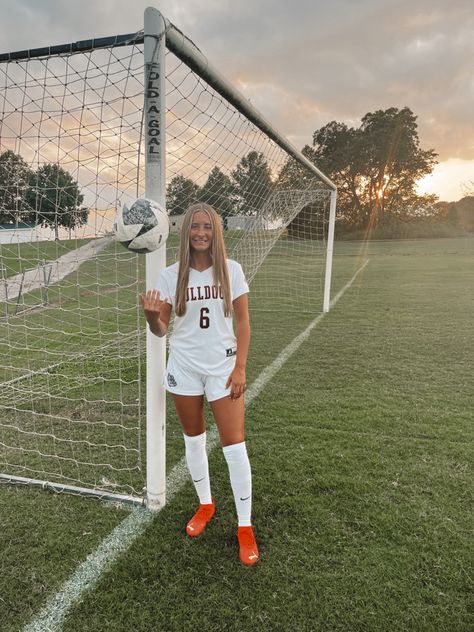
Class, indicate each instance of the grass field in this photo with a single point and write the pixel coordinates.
(361, 450)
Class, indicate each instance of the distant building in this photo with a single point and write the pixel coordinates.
(18, 233)
(239, 222)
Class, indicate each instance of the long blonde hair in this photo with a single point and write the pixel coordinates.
(220, 274)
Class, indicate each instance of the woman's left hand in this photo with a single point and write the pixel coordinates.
(237, 383)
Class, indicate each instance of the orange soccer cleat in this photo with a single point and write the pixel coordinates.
(248, 546)
(198, 522)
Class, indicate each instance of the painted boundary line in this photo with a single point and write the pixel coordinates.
(87, 575)
(60, 268)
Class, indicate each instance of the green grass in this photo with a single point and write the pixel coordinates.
(361, 450)
(25, 256)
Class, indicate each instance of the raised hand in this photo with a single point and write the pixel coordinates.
(153, 307)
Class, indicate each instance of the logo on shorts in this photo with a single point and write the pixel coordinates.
(230, 352)
(171, 380)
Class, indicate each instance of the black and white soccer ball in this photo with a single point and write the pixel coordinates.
(142, 226)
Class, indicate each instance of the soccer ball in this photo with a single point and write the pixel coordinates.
(143, 226)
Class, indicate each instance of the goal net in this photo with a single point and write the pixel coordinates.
(72, 341)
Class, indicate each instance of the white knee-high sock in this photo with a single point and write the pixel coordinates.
(196, 459)
(240, 480)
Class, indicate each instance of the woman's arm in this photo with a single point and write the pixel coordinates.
(157, 312)
(237, 379)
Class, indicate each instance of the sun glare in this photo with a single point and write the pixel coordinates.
(447, 180)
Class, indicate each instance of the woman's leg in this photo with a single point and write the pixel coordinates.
(229, 416)
(190, 409)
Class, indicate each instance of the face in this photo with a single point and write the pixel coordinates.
(200, 234)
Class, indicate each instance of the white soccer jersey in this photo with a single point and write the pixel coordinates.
(203, 338)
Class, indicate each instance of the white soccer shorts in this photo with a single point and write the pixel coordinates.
(181, 380)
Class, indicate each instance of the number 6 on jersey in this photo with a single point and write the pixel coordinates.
(204, 319)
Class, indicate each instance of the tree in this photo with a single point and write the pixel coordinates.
(253, 183)
(465, 213)
(180, 194)
(14, 177)
(375, 166)
(218, 191)
(460, 213)
(54, 199)
(468, 188)
(294, 175)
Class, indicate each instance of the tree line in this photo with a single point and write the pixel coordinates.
(48, 196)
(376, 167)
(242, 193)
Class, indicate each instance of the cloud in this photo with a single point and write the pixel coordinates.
(303, 63)
(371, 55)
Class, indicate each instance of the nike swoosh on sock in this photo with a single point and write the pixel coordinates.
(200, 479)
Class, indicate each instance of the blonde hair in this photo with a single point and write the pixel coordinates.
(220, 274)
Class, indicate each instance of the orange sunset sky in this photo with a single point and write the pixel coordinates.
(305, 63)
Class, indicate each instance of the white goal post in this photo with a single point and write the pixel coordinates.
(85, 128)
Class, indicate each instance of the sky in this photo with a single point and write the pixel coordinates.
(305, 63)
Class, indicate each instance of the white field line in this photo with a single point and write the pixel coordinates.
(60, 268)
(87, 575)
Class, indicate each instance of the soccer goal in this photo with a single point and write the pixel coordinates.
(85, 128)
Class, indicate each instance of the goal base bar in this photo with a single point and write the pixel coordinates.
(72, 489)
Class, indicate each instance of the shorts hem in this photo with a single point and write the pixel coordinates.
(174, 392)
(214, 398)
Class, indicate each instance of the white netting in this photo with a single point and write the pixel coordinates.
(71, 341)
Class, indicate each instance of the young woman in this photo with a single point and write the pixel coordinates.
(206, 291)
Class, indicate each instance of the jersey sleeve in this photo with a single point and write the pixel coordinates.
(239, 282)
(163, 286)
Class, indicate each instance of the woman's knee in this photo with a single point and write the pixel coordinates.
(232, 439)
